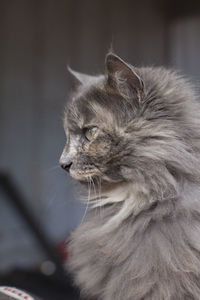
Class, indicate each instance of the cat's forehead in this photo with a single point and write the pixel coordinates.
(91, 107)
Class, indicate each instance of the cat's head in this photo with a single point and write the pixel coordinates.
(128, 125)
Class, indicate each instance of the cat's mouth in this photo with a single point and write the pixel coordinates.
(84, 176)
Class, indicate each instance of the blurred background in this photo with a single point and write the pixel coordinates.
(38, 202)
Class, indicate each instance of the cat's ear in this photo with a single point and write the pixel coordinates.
(79, 78)
(123, 78)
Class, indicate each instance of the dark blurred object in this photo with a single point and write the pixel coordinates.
(179, 8)
(55, 286)
(45, 287)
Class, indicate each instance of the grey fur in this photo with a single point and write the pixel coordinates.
(140, 239)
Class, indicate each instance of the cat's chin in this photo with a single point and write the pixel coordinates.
(95, 178)
(84, 177)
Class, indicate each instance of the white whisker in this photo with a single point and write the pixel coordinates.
(94, 188)
(99, 196)
(88, 199)
(53, 168)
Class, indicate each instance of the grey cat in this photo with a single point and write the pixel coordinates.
(133, 136)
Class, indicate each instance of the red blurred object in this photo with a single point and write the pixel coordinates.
(61, 250)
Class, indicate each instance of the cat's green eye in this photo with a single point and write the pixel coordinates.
(90, 132)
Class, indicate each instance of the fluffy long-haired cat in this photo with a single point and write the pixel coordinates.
(133, 137)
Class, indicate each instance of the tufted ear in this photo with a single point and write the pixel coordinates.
(80, 78)
(123, 78)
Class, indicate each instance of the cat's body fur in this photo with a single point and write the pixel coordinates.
(141, 238)
(152, 256)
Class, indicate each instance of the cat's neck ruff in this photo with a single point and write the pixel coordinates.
(137, 195)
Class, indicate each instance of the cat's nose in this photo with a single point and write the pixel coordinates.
(66, 166)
